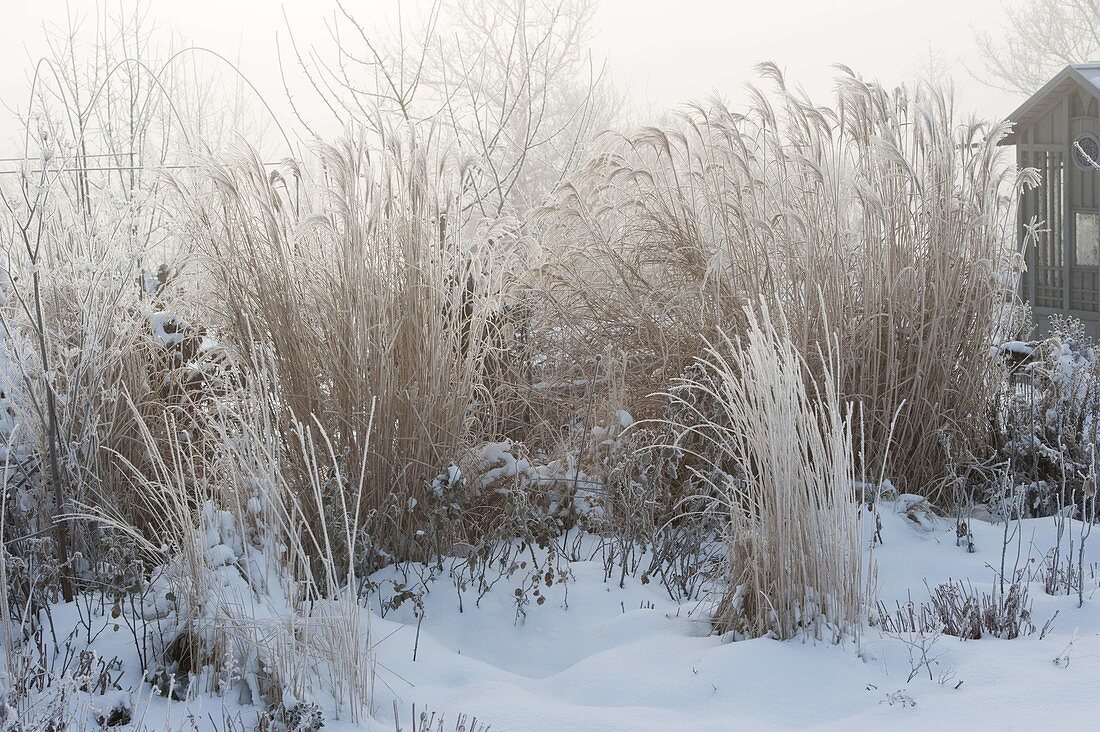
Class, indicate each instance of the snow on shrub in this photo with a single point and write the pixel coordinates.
(1047, 425)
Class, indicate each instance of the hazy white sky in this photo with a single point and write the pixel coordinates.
(662, 52)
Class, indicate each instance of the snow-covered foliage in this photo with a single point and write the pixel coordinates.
(1048, 425)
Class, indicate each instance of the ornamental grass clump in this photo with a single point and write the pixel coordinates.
(775, 455)
(882, 216)
(374, 291)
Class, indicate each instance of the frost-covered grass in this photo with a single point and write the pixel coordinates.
(374, 298)
(878, 220)
(779, 461)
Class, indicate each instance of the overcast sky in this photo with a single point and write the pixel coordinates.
(661, 52)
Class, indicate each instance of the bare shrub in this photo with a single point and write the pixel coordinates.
(430, 721)
(969, 615)
(511, 81)
(1060, 32)
(82, 222)
(78, 332)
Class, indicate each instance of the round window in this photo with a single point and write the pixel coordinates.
(1086, 152)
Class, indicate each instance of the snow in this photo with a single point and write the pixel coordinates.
(597, 656)
(631, 658)
(168, 329)
(1020, 348)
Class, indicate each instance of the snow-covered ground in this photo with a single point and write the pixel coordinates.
(597, 656)
(632, 659)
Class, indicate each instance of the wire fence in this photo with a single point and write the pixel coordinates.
(100, 168)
